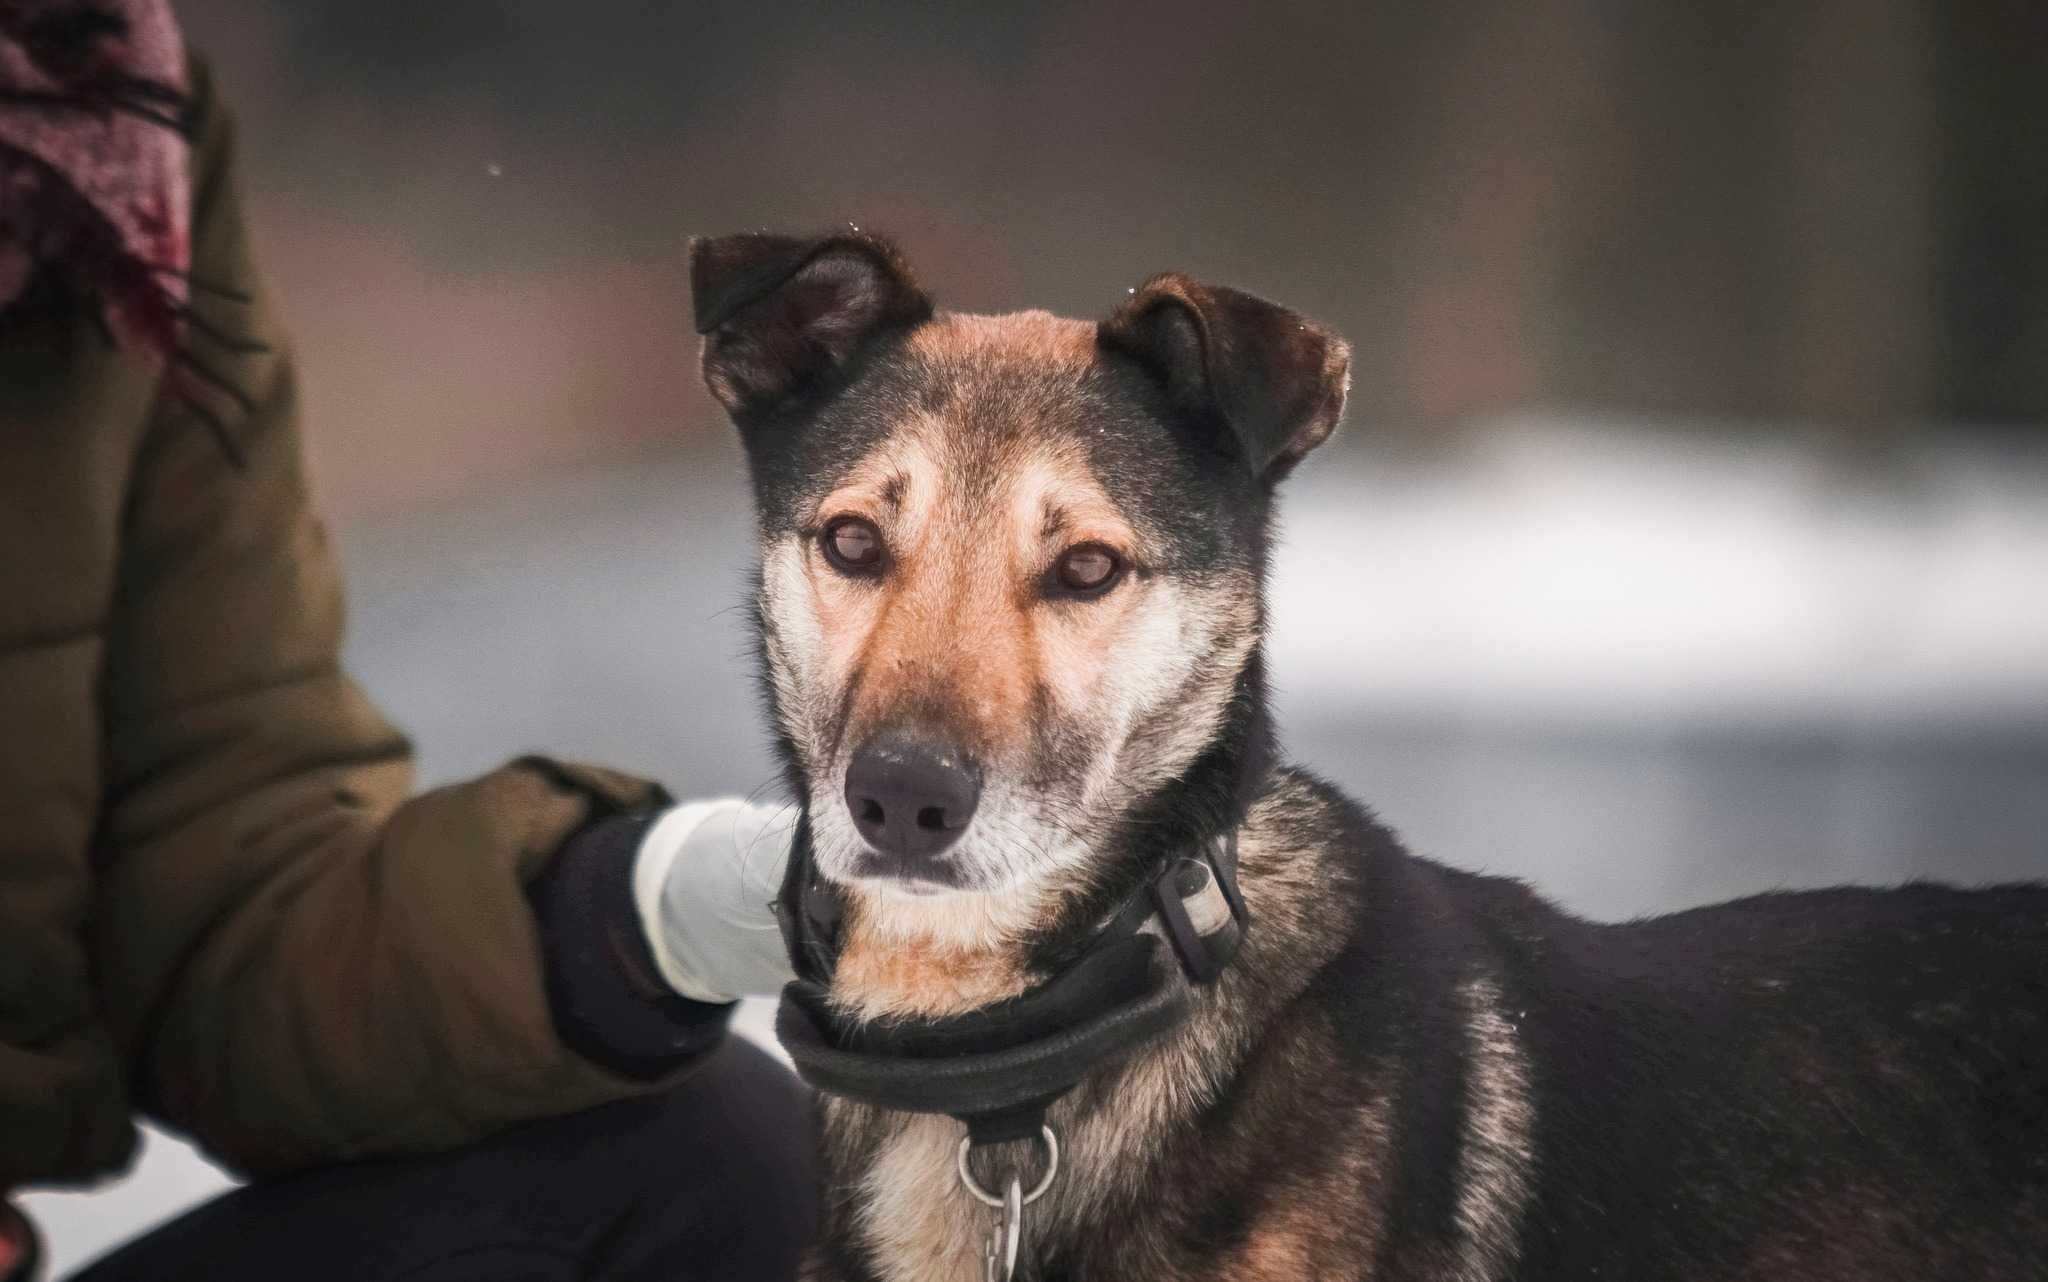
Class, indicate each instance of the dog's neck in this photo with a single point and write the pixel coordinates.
(1130, 1120)
(900, 958)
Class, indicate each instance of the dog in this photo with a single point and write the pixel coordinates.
(1009, 619)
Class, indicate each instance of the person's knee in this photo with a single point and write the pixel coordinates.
(711, 1178)
(727, 1166)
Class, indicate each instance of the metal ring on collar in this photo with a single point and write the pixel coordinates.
(982, 1195)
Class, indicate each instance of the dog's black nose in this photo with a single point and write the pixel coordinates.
(910, 800)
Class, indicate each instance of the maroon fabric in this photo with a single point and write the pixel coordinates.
(93, 165)
(19, 1253)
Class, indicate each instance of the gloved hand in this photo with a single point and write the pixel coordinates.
(704, 881)
(652, 924)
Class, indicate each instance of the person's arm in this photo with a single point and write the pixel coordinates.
(301, 963)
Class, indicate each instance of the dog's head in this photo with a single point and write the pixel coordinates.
(1009, 594)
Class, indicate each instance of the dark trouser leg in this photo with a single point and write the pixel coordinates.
(712, 1180)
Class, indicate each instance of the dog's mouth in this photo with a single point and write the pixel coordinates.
(889, 873)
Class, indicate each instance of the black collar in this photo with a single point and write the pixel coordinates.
(999, 1068)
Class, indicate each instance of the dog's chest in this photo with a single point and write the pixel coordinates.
(919, 1224)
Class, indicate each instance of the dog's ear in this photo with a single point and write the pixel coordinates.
(1276, 380)
(779, 314)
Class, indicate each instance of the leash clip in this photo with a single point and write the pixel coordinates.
(999, 1260)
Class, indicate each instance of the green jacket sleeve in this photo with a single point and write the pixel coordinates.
(300, 963)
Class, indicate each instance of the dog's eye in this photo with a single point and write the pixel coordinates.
(852, 545)
(1088, 569)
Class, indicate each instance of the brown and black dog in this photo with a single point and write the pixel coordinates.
(1010, 621)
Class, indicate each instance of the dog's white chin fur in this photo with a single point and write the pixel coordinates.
(922, 912)
(908, 887)
(969, 920)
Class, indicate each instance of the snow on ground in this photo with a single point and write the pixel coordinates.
(1594, 573)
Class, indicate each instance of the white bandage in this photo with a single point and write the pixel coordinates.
(704, 879)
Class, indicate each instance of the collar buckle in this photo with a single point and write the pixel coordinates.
(1198, 903)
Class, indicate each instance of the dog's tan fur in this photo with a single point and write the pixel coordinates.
(886, 970)
(1319, 1224)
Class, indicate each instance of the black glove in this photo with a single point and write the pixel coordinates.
(609, 1002)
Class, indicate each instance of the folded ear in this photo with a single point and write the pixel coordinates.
(781, 313)
(1274, 379)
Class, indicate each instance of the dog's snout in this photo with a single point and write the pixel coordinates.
(910, 800)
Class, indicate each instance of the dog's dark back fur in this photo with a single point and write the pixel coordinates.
(1846, 1084)
(1409, 1072)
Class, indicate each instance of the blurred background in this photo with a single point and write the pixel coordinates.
(1689, 535)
